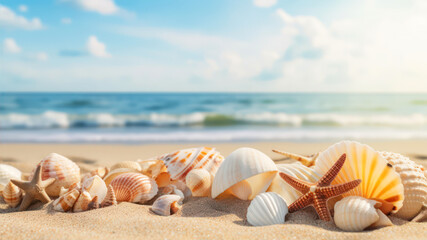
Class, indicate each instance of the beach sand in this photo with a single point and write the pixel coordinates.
(200, 218)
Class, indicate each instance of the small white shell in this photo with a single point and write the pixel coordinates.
(267, 209)
(12, 194)
(134, 187)
(127, 164)
(8, 172)
(199, 181)
(166, 205)
(66, 201)
(96, 187)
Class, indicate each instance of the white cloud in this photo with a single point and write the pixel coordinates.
(41, 56)
(23, 8)
(10, 46)
(97, 48)
(66, 20)
(9, 19)
(265, 3)
(106, 7)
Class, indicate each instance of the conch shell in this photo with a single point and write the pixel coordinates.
(166, 205)
(12, 194)
(134, 187)
(199, 181)
(66, 201)
(267, 209)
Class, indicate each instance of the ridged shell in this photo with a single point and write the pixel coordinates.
(166, 205)
(181, 162)
(82, 203)
(65, 171)
(66, 201)
(267, 209)
(379, 180)
(12, 194)
(134, 187)
(245, 173)
(199, 181)
(127, 164)
(295, 170)
(117, 172)
(357, 213)
(8, 172)
(414, 184)
(110, 199)
(96, 187)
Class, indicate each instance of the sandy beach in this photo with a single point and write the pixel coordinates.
(200, 218)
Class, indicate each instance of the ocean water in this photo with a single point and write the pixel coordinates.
(209, 117)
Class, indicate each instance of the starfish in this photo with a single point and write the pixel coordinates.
(317, 194)
(34, 189)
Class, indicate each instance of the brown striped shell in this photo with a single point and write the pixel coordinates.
(199, 181)
(134, 187)
(110, 199)
(12, 194)
(66, 202)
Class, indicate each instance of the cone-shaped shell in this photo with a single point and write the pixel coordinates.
(414, 184)
(66, 201)
(12, 194)
(356, 213)
(8, 172)
(134, 187)
(82, 203)
(117, 172)
(166, 205)
(379, 180)
(65, 171)
(181, 162)
(110, 199)
(245, 173)
(267, 209)
(96, 187)
(199, 181)
(127, 164)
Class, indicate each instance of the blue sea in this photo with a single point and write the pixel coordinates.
(209, 117)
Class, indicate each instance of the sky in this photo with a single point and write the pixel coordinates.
(213, 46)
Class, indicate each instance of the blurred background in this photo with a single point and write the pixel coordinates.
(210, 71)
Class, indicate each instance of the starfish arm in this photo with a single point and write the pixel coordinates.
(302, 202)
(42, 197)
(300, 185)
(37, 177)
(47, 182)
(335, 190)
(307, 161)
(26, 202)
(321, 208)
(24, 185)
(330, 175)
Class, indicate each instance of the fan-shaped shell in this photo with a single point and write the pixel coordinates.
(245, 173)
(95, 186)
(199, 181)
(110, 199)
(166, 205)
(66, 201)
(12, 194)
(356, 213)
(414, 184)
(117, 172)
(267, 209)
(297, 170)
(379, 180)
(8, 172)
(134, 187)
(65, 171)
(181, 162)
(127, 164)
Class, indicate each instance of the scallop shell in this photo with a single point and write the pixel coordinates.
(181, 162)
(134, 187)
(12, 194)
(166, 205)
(96, 187)
(117, 172)
(65, 171)
(379, 180)
(297, 170)
(66, 201)
(8, 172)
(127, 164)
(414, 184)
(199, 181)
(245, 173)
(110, 199)
(82, 203)
(357, 213)
(267, 209)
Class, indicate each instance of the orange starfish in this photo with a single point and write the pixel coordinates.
(317, 194)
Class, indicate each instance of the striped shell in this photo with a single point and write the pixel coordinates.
(267, 209)
(82, 203)
(379, 180)
(117, 172)
(110, 199)
(134, 187)
(65, 171)
(181, 162)
(95, 186)
(414, 184)
(127, 164)
(66, 202)
(12, 194)
(199, 181)
(357, 213)
(166, 205)
(8, 172)
(245, 173)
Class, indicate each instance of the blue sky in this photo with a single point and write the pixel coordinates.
(211, 46)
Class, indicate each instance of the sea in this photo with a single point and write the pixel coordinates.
(209, 117)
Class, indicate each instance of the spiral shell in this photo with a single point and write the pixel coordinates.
(12, 194)
(8, 172)
(166, 205)
(66, 201)
(267, 209)
(82, 202)
(127, 164)
(95, 186)
(134, 187)
(199, 181)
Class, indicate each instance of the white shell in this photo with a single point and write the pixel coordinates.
(357, 213)
(95, 186)
(12, 194)
(267, 209)
(66, 201)
(414, 184)
(245, 173)
(199, 181)
(8, 172)
(166, 205)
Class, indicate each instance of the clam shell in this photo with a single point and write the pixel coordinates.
(117, 172)
(199, 181)
(379, 180)
(134, 187)
(96, 188)
(267, 209)
(127, 164)
(166, 205)
(82, 203)
(356, 213)
(66, 201)
(110, 199)
(65, 171)
(245, 173)
(8, 172)
(12, 194)
(414, 184)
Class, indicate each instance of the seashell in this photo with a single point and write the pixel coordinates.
(199, 181)
(110, 199)
(245, 173)
(101, 172)
(163, 179)
(65, 171)
(379, 180)
(66, 201)
(127, 164)
(356, 213)
(414, 184)
(180, 185)
(297, 170)
(8, 172)
(94, 204)
(116, 172)
(12, 194)
(152, 168)
(73, 186)
(96, 188)
(82, 203)
(166, 205)
(267, 209)
(181, 162)
(134, 187)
